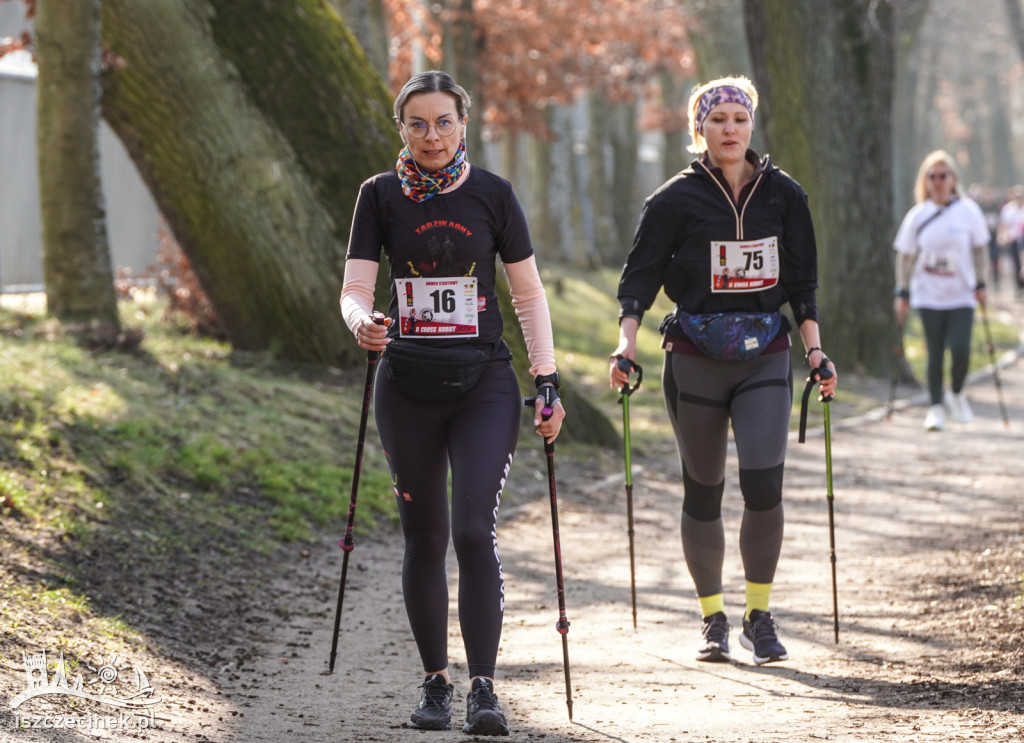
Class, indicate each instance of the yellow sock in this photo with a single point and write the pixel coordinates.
(758, 596)
(711, 604)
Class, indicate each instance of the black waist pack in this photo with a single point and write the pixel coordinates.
(729, 336)
(435, 374)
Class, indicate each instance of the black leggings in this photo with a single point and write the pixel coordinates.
(947, 329)
(477, 436)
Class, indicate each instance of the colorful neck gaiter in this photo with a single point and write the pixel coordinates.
(420, 186)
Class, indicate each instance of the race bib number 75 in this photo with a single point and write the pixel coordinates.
(438, 307)
(744, 265)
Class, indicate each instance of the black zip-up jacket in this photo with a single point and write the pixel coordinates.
(672, 245)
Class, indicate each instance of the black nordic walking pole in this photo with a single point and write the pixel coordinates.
(628, 365)
(347, 542)
(823, 372)
(898, 356)
(563, 623)
(995, 366)
(831, 513)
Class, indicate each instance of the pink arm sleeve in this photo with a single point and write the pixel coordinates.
(357, 292)
(531, 306)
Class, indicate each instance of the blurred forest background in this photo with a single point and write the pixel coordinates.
(252, 125)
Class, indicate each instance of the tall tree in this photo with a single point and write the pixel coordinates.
(368, 22)
(1015, 15)
(253, 131)
(824, 71)
(77, 269)
(908, 78)
(533, 55)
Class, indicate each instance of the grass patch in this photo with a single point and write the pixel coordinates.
(168, 465)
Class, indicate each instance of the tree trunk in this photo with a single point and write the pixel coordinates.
(537, 201)
(1015, 17)
(461, 47)
(600, 182)
(77, 269)
(562, 206)
(623, 187)
(254, 142)
(253, 128)
(717, 40)
(675, 156)
(368, 22)
(828, 123)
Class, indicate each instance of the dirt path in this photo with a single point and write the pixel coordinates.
(929, 550)
(915, 515)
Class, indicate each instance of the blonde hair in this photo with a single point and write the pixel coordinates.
(921, 193)
(743, 84)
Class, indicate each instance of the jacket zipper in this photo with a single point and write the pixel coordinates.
(728, 198)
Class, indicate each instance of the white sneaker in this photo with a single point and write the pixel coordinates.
(958, 406)
(935, 419)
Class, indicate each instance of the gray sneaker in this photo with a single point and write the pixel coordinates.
(760, 638)
(716, 639)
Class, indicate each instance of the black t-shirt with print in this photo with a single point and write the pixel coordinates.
(458, 233)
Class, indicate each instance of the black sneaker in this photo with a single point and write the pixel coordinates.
(483, 713)
(760, 638)
(716, 639)
(435, 710)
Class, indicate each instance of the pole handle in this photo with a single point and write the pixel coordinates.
(629, 366)
(378, 319)
(822, 372)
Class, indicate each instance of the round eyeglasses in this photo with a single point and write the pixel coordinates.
(418, 129)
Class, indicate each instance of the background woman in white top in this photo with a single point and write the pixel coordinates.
(940, 271)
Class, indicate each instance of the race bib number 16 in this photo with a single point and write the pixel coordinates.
(437, 308)
(744, 265)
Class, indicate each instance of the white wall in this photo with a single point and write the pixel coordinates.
(132, 216)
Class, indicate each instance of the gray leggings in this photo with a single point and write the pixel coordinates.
(702, 397)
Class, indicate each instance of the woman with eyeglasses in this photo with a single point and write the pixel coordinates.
(941, 257)
(446, 395)
(730, 240)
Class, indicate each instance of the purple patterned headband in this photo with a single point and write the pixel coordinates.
(721, 94)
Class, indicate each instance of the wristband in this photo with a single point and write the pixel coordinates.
(812, 349)
(551, 379)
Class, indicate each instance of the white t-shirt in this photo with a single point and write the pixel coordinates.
(943, 277)
(1012, 216)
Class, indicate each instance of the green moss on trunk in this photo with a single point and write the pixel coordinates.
(252, 131)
